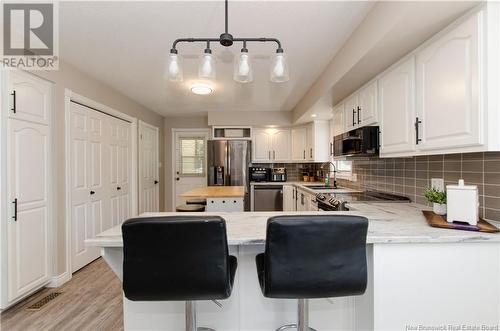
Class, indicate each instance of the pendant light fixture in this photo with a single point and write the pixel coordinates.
(242, 68)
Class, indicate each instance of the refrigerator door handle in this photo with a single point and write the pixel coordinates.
(228, 165)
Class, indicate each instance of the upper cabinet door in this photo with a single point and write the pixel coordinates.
(299, 143)
(338, 120)
(281, 145)
(261, 145)
(367, 113)
(449, 89)
(397, 109)
(29, 98)
(351, 112)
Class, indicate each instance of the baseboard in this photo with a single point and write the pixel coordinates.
(59, 280)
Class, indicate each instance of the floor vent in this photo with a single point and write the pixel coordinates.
(43, 301)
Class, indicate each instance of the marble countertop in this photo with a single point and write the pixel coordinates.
(388, 223)
(304, 186)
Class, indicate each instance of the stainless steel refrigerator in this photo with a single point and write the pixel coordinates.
(228, 162)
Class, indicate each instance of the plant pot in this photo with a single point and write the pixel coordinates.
(438, 208)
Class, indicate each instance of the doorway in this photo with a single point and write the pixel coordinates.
(189, 161)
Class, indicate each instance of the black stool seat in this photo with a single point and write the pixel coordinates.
(196, 202)
(189, 208)
(177, 258)
(313, 257)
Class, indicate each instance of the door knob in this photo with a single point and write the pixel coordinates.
(156, 182)
(92, 192)
(118, 188)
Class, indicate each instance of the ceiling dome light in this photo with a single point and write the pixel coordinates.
(243, 67)
(174, 69)
(207, 65)
(279, 67)
(201, 89)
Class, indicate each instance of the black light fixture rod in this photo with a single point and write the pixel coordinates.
(208, 40)
(226, 16)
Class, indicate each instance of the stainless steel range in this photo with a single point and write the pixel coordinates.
(338, 201)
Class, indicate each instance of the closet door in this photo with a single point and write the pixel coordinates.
(90, 197)
(119, 170)
(28, 230)
(149, 194)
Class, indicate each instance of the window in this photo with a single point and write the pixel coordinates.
(192, 156)
(343, 166)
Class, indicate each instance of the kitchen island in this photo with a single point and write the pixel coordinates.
(220, 198)
(417, 276)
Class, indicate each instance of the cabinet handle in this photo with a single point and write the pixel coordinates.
(92, 192)
(304, 154)
(359, 111)
(417, 139)
(311, 153)
(15, 210)
(14, 101)
(353, 120)
(269, 155)
(274, 155)
(331, 149)
(156, 182)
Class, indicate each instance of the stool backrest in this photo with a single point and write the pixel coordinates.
(175, 258)
(315, 256)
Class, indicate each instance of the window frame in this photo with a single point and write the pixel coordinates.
(194, 157)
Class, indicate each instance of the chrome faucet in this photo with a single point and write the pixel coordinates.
(330, 171)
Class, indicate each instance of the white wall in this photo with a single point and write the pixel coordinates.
(253, 118)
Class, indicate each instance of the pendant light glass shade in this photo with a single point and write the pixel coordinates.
(279, 68)
(243, 68)
(174, 68)
(207, 66)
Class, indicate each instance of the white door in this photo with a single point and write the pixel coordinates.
(28, 228)
(262, 145)
(397, 109)
(367, 111)
(119, 169)
(288, 198)
(149, 188)
(281, 145)
(351, 112)
(190, 162)
(89, 194)
(299, 143)
(30, 97)
(449, 88)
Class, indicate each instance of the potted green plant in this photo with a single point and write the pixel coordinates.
(438, 199)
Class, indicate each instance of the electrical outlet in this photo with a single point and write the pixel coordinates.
(437, 183)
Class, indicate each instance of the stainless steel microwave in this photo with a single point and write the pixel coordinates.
(359, 142)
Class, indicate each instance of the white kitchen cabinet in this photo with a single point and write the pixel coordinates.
(26, 243)
(318, 135)
(303, 201)
(338, 120)
(288, 198)
(449, 87)
(396, 90)
(271, 145)
(367, 110)
(299, 143)
(350, 112)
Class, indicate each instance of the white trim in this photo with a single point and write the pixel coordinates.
(69, 96)
(157, 129)
(174, 156)
(59, 280)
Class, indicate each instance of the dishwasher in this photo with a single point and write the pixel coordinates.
(268, 198)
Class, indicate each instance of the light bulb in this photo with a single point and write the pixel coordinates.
(174, 68)
(243, 68)
(207, 66)
(279, 68)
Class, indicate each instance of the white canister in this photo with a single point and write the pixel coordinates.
(463, 203)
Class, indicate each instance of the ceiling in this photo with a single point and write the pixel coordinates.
(126, 44)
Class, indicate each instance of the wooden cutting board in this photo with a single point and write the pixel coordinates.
(439, 221)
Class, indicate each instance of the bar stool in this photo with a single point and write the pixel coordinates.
(313, 257)
(196, 202)
(189, 208)
(177, 258)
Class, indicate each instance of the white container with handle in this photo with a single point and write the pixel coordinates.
(463, 203)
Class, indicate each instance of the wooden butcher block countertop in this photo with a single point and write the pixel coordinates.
(216, 192)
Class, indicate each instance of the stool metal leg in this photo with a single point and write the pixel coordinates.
(302, 318)
(191, 318)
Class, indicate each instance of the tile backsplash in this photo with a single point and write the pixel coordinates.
(294, 171)
(410, 176)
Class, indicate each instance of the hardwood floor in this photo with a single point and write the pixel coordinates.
(91, 300)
